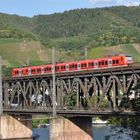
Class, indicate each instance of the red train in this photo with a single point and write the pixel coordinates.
(106, 62)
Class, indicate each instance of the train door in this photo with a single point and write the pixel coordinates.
(29, 71)
(67, 67)
(96, 65)
(20, 72)
(79, 66)
(109, 62)
(42, 70)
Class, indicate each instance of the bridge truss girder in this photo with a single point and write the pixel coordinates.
(92, 92)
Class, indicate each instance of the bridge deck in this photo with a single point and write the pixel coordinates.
(72, 112)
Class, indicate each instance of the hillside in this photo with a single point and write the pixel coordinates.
(103, 31)
(14, 26)
(85, 22)
(17, 53)
(21, 53)
(106, 26)
(95, 27)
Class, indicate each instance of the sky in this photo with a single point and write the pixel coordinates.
(35, 7)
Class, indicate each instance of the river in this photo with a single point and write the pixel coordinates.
(99, 133)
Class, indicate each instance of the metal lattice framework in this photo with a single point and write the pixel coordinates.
(92, 90)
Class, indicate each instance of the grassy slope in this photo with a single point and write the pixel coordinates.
(127, 49)
(76, 30)
(18, 53)
(96, 29)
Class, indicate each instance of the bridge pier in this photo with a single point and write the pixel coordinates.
(15, 127)
(75, 128)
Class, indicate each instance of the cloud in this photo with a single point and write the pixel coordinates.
(116, 2)
(135, 3)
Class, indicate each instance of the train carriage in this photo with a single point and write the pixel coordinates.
(100, 63)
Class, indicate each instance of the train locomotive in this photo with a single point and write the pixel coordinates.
(82, 65)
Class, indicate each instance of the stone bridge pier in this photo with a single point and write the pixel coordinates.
(74, 128)
(15, 127)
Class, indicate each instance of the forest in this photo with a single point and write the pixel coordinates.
(76, 28)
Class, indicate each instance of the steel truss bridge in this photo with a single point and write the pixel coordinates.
(85, 93)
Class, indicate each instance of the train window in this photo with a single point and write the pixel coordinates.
(99, 63)
(63, 67)
(48, 68)
(117, 61)
(91, 64)
(16, 72)
(114, 62)
(38, 70)
(72, 66)
(57, 67)
(84, 65)
(102, 62)
(26, 70)
(33, 70)
(105, 62)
